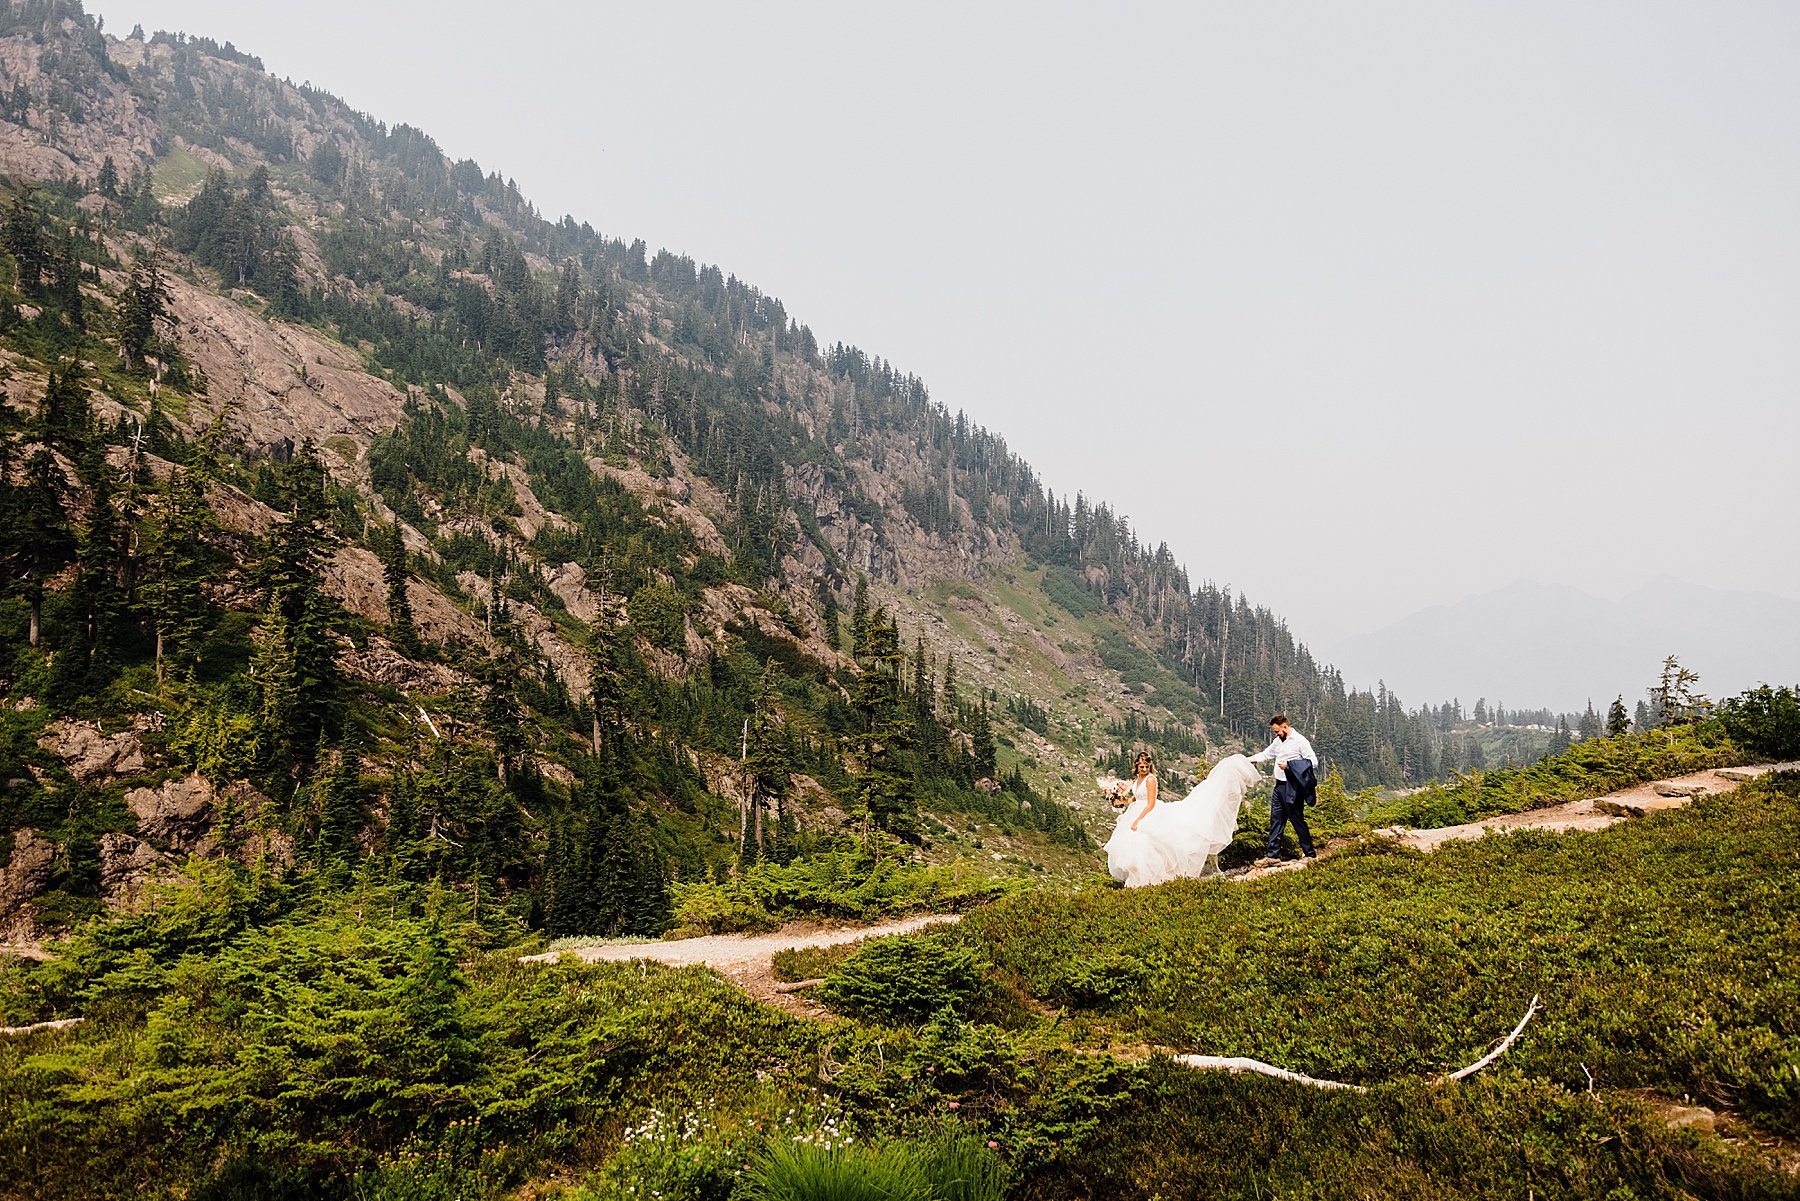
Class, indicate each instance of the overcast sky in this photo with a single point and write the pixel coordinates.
(1359, 307)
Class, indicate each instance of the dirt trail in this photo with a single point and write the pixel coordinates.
(1593, 813)
(745, 959)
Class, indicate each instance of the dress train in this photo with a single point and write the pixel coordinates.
(1181, 838)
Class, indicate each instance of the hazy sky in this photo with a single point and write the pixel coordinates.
(1359, 307)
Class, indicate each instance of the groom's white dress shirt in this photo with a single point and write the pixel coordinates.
(1283, 750)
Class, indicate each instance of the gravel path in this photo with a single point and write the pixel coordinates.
(745, 959)
(1594, 813)
(733, 950)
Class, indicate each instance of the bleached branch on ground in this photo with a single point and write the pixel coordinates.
(1231, 1063)
(1500, 1050)
(1237, 1063)
(64, 1024)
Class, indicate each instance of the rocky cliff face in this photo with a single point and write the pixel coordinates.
(82, 111)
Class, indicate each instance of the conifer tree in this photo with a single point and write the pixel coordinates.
(607, 646)
(859, 615)
(884, 790)
(1617, 720)
(341, 807)
(767, 762)
(1674, 699)
(275, 672)
(502, 716)
(43, 539)
(96, 598)
(828, 615)
(141, 306)
(401, 629)
(66, 421)
(180, 559)
(981, 737)
(289, 576)
(25, 242)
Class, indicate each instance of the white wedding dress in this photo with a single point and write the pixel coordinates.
(1184, 837)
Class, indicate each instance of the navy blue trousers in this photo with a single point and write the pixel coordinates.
(1284, 808)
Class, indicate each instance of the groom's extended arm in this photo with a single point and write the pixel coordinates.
(1267, 753)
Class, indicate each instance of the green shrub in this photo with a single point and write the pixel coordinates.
(811, 963)
(848, 884)
(351, 1036)
(905, 981)
(703, 907)
(1103, 982)
(1071, 591)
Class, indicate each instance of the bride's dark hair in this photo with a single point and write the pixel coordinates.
(1143, 757)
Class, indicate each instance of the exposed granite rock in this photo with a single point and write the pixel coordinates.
(253, 837)
(661, 494)
(125, 864)
(112, 122)
(91, 755)
(568, 583)
(380, 663)
(569, 662)
(179, 813)
(285, 383)
(354, 577)
(533, 516)
(555, 771)
(26, 874)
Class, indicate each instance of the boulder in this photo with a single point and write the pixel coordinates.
(1671, 789)
(26, 874)
(568, 583)
(90, 754)
(125, 863)
(379, 663)
(179, 812)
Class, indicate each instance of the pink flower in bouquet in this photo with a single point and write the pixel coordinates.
(1114, 790)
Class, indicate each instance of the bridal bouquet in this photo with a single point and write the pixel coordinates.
(1114, 790)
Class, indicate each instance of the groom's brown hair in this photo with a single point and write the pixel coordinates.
(1280, 719)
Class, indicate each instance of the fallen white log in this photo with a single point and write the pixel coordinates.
(1500, 1050)
(1232, 1063)
(64, 1024)
(1236, 1063)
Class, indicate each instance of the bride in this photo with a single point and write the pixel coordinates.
(1156, 840)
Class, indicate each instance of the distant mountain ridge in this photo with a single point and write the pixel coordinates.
(1549, 644)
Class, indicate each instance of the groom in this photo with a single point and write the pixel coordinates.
(1296, 783)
